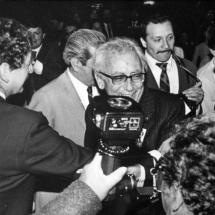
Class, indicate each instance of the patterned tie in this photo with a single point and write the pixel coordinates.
(34, 55)
(90, 94)
(164, 80)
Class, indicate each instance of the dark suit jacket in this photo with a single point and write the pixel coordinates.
(185, 80)
(162, 110)
(53, 64)
(30, 148)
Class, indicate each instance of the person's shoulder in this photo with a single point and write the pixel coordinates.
(53, 85)
(188, 64)
(199, 46)
(206, 71)
(161, 96)
(23, 114)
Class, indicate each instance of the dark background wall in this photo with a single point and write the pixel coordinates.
(188, 15)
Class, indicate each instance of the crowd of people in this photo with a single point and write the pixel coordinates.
(51, 75)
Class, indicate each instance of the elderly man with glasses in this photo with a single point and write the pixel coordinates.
(120, 68)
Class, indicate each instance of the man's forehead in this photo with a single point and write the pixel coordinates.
(123, 60)
(159, 29)
(32, 30)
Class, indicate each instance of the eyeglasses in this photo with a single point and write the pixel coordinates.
(118, 79)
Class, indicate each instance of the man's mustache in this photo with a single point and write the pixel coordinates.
(163, 51)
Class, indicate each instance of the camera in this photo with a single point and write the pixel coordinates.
(119, 121)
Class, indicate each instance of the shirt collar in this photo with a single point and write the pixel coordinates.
(78, 84)
(2, 95)
(37, 49)
(81, 89)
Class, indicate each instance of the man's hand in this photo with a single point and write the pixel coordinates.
(165, 147)
(195, 93)
(134, 170)
(101, 184)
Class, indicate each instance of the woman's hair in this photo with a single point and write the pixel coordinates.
(191, 163)
(15, 42)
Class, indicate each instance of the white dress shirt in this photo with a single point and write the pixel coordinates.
(172, 73)
(81, 89)
(38, 66)
(207, 77)
(2, 95)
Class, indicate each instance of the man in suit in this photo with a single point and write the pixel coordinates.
(29, 146)
(107, 23)
(64, 100)
(48, 58)
(47, 62)
(120, 68)
(158, 40)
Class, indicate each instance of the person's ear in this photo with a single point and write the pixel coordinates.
(143, 42)
(5, 72)
(44, 34)
(177, 198)
(100, 81)
(76, 64)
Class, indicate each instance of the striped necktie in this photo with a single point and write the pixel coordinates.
(90, 94)
(164, 80)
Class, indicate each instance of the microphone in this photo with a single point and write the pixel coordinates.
(188, 71)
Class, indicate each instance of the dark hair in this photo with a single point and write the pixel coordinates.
(37, 22)
(15, 42)
(191, 163)
(155, 19)
(211, 40)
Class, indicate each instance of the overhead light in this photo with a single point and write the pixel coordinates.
(148, 2)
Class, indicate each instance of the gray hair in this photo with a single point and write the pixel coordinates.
(79, 43)
(120, 46)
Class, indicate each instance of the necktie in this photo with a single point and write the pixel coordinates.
(90, 94)
(164, 80)
(109, 31)
(34, 55)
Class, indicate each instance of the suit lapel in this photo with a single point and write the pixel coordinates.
(148, 105)
(183, 79)
(73, 101)
(150, 81)
(43, 52)
(182, 75)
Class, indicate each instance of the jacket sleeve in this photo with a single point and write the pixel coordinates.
(77, 199)
(175, 114)
(48, 153)
(41, 102)
(91, 134)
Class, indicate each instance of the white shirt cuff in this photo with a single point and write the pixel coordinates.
(155, 154)
(38, 67)
(142, 177)
(187, 109)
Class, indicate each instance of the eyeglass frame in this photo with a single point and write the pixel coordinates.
(130, 76)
